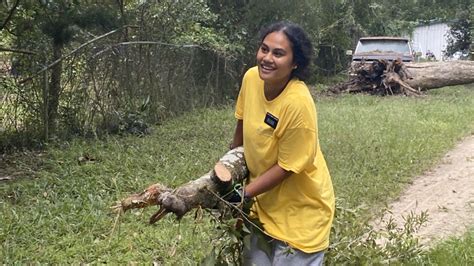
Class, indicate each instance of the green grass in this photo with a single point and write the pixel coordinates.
(62, 215)
(58, 212)
(455, 251)
(374, 145)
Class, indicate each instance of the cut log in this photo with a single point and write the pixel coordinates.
(387, 78)
(202, 192)
(229, 170)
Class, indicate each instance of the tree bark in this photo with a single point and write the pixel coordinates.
(54, 89)
(432, 75)
(387, 78)
(203, 192)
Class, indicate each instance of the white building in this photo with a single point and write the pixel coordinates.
(431, 37)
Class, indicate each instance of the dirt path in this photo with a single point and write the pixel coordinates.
(446, 192)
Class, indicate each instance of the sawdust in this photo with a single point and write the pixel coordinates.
(445, 192)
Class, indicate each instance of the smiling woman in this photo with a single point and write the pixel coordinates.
(275, 63)
(289, 180)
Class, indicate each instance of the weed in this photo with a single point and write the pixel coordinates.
(356, 241)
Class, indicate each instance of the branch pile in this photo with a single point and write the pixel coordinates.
(203, 192)
(388, 78)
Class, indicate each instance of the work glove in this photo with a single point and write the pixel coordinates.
(237, 195)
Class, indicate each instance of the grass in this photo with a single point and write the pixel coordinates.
(454, 251)
(376, 145)
(58, 212)
(62, 215)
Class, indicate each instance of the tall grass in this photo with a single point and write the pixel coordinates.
(60, 214)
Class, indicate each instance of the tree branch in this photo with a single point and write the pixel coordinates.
(149, 43)
(199, 193)
(14, 50)
(10, 15)
(74, 52)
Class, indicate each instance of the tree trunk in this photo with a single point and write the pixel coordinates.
(431, 75)
(387, 78)
(203, 192)
(54, 88)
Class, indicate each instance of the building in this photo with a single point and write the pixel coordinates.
(432, 38)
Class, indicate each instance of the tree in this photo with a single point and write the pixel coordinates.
(47, 27)
(63, 21)
(459, 37)
(178, 54)
(10, 9)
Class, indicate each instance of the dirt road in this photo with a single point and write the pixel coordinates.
(445, 192)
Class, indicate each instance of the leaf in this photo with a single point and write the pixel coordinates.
(210, 259)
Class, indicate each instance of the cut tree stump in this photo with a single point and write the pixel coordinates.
(200, 193)
(388, 78)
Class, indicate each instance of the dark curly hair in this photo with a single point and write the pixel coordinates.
(300, 43)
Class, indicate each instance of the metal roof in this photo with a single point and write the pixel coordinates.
(384, 38)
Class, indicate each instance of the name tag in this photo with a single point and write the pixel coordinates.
(271, 120)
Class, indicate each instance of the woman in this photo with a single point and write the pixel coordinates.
(289, 180)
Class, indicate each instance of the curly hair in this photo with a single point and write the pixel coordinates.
(300, 43)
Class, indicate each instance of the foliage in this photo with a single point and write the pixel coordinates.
(56, 210)
(459, 37)
(117, 74)
(180, 55)
(181, 22)
(7, 12)
(361, 243)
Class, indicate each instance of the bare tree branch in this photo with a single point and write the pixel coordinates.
(74, 51)
(10, 15)
(14, 50)
(147, 42)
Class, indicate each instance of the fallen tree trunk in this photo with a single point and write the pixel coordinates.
(432, 75)
(387, 78)
(203, 192)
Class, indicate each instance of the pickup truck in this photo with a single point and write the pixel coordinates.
(370, 49)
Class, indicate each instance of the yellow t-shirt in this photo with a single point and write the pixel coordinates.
(300, 210)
